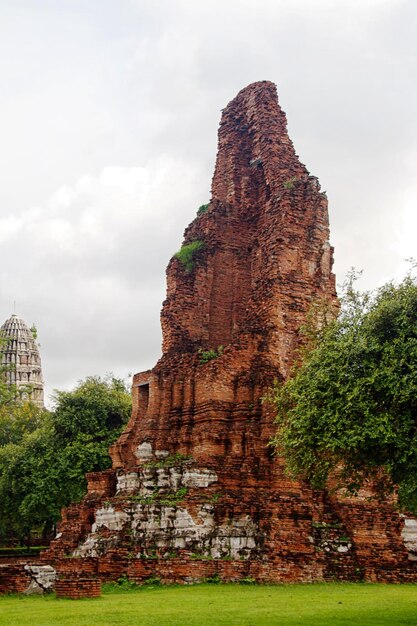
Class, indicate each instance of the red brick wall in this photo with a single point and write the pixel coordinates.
(76, 587)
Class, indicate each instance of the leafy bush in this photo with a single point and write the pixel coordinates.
(188, 253)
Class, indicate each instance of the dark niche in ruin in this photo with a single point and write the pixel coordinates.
(194, 490)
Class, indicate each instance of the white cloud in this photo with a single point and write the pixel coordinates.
(89, 265)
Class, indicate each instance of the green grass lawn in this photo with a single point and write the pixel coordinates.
(209, 605)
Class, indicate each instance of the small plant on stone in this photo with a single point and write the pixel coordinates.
(172, 499)
(172, 460)
(200, 556)
(325, 524)
(151, 499)
(152, 581)
(202, 209)
(289, 184)
(157, 498)
(171, 555)
(188, 253)
(215, 579)
(208, 355)
(215, 497)
(150, 554)
(125, 583)
(247, 581)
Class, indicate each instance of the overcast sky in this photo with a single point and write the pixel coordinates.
(108, 124)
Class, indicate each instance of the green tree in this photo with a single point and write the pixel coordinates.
(350, 408)
(96, 407)
(45, 470)
(17, 419)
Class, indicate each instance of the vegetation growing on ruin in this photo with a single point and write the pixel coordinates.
(163, 499)
(208, 355)
(289, 184)
(202, 209)
(350, 409)
(172, 460)
(188, 253)
(125, 584)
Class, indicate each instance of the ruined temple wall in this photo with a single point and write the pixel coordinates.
(207, 410)
(267, 525)
(195, 490)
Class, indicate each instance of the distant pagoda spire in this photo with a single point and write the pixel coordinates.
(21, 352)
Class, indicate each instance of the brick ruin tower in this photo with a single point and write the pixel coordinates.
(22, 358)
(195, 490)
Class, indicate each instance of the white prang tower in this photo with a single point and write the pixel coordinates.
(21, 353)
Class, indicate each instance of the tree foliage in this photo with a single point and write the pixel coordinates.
(44, 456)
(350, 409)
(17, 419)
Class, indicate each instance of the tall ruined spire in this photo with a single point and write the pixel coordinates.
(265, 255)
(250, 269)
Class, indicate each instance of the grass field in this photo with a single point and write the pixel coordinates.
(217, 605)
